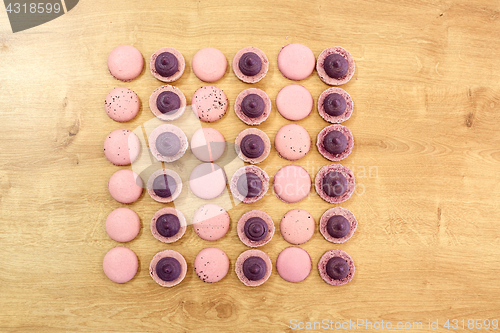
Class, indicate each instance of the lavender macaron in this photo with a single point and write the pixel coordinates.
(252, 106)
(336, 267)
(168, 143)
(335, 105)
(249, 184)
(337, 225)
(168, 268)
(250, 64)
(253, 267)
(164, 185)
(335, 142)
(252, 145)
(255, 228)
(335, 66)
(167, 64)
(167, 103)
(168, 225)
(335, 183)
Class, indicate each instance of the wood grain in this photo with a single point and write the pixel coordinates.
(426, 157)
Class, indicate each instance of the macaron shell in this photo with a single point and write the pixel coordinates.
(209, 103)
(123, 224)
(243, 117)
(348, 109)
(167, 128)
(262, 135)
(321, 69)
(207, 181)
(164, 116)
(239, 267)
(296, 61)
(211, 264)
(120, 264)
(125, 63)
(125, 186)
(122, 104)
(321, 147)
(208, 144)
(294, 102)
(182, 221)
(172, 254)
(297, 226)
(264, 178)
(346, 172)
(172, 174)
(291, 183)
(294, 264)
(240, 228)
(342, 212)
(211, 222)
(292, 142)
(257, 77)
(209, 64)
(324, 260)
(180, 61)
(122, 147)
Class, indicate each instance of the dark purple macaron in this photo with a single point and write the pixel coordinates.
(168, 225)
(167, 64)
(249, 184)
(164, 185)
(253, 267)
(252, 106)
(337, 225)
(167, 103)
(335, 66)
(252, 145)
(250, 64)
(335, 105)
(335, 142)
(168, 268)
(255, 228)
(168, 143)
(336, 267)
(334, 183)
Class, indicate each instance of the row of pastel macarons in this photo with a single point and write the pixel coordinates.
(335, 65)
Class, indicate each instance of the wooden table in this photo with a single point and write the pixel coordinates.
(426, 158)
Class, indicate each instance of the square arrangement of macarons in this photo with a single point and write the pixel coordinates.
(167, 143)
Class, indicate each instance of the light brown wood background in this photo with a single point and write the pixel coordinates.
(426, 120)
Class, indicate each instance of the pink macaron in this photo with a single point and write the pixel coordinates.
(122, 104)
(121, 147)
(252, 106)
(125, 63)
(337, 225)
(335, 142)
(292, 142)
(336, 267)
(294, 102)
(252, 145)
(211, 264)
(294, 264)
(335, 105)
(168, 225)
(250, 64)
(211, 222)
(253, 267)
(123, 225)
(120, 264)
(255, 228)
(249, 184)
(292, 183)
(164, 185)
(125, 186)
(207, 181)
(209, 64)
(168, 268)
(167, 103)
(167, 143)
(296, 61)
(335, 66)
(167, 64)
(208, 144)
(335, 183)
(209, 103)
(297, 226)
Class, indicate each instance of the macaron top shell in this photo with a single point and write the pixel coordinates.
(209, 103)
(123, 224)
(297, 226)
(292, 183)
(346, 192)
(266, 111)
(250, 78)
(168, 254)
(122, 104)
(163, 97)
(294, 264)
(157, 187)
(120, 264)
(211, 222)
(292, 142)
(181, 64)
(125, 186)
(337, 211)
(122, 147)
(211, 264)
(209, 64)
(208, 144)
(166, 147)
(320, 66)
(240, 140)
(349, 105)
(125, 62)
(296, 61)
(261, 216)
(294, 102)
(207, 181)
(247, 255)
(320, 142)
(159, 218)
(323, 262)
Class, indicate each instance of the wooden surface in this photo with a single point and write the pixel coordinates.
(427, 100)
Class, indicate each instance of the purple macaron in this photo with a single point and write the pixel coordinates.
(167, 64)
(337, 225)
(335, 66)
(336, 267)
(253, 267)
(249, 184)
(250, 64)
(164, 185)
(255, 228)
(252, 145)
(168, 225)
(167, 103)
(334, 183)
(252, 106)
(335, 105)
(168, 143)
(335, 142)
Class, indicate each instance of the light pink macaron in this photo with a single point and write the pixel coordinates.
(323, 272)
(239, 60)
(255, 228)
(125, 63)
(122, 104)
(209, 103)
(123, 224)
(292, 183)
(296, 61)
(211, 264)
(122, 147)
(320, 66)
(167, 143)
(211, 222)
(207, 181)
(294, 264)
(292, 142)
(248, 146)
(168, 225)
(168, 268)
(297, 226)
(340, 96)
(338, 228)
(164, 185)
(125, 186)
(322, 136)
(163, 62)
(344, 191)
(164, 100)
(294, 102)
(252, 106)
(208, 144)
(209, 64)
(249, 184)
(256, 270)
(120, 264)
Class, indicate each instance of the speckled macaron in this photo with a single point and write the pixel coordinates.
(122, 104)
(249, 184)
(297, 226)
(209, 64)
(123, 225)
(252, 106)
(335, 142)
(211, 264)
(207, 181)
(336, 267)
(250, 64)
(292, 142)
(296, 61)
(167, 64)
(337, 225)
(168, 143)
(167, 103)
(253, 267)
(120, 264)
(255, 228)
(168, 268)
(209, 103)
(335, 66)
(168, 225)
(125, 186)
(252, 145)
(208, 144)
(121, 147)
(125, 63)
(211, 222)
(294, 102)
(292, 183)
(335, 105)
(334, 183)
(164, 185)
(294, 264)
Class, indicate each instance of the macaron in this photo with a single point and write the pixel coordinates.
(337, 225)
(252, 145)
(167, 103)
(122, 147)
(334, 183)
(123, 225)
(250, 64)
(335, 142)
(335, 66)
(209, 64)
(168, 268)
(164, 185)
(297, 226)
(255, 228)
(335, 105)
(120, 264)
(211, 264)
(292, 142)
(294, 102)
(292, 183)
(168, 143)
(253, 267)
(252, 106)
(336, 267)
(167, 64)
(294, 264)
(125, 186)
(208, 144)
(125, 63)
(249, 184)
(296, 61)
(207, 181)
(209, 103)
(168, 225)
(122, 104)
(211, 222)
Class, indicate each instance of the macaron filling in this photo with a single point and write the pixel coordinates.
(250, 64)
(253, 106)
(164, 185)
(334, 184)
(338, 226)
(168, 102)
(254, 268)
(334, 104)
(249, 185)
(168, 225)
(168, 269)
(335, 65)
(255, 228)
(166, 64)
(252, 146)
(168, 144)
(337, 268)
(335, 142)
